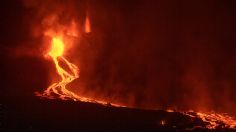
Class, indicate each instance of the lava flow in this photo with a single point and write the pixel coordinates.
(59, 88)
(214, 120)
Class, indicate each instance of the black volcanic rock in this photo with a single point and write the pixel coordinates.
(35, 114)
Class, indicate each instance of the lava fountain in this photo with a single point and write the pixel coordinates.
(69, 74)
(59, 88)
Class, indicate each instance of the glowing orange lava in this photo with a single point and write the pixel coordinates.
(214, 120)
(57, 48)
(59, 88)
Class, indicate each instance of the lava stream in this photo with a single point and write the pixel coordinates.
(59, 88)
(214, 120)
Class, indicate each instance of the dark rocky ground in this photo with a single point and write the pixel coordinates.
(35, 114)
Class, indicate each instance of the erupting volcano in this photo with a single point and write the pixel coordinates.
(59, 88)
(56, 54)
(69, 74)
(118, 65)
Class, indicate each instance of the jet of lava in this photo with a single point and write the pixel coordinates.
(57, 47)
(87, 25)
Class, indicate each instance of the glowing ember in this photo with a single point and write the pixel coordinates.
(163, 122)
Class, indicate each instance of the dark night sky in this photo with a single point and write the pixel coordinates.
(150, 54)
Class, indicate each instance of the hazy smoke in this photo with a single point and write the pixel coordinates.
(151, 54)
